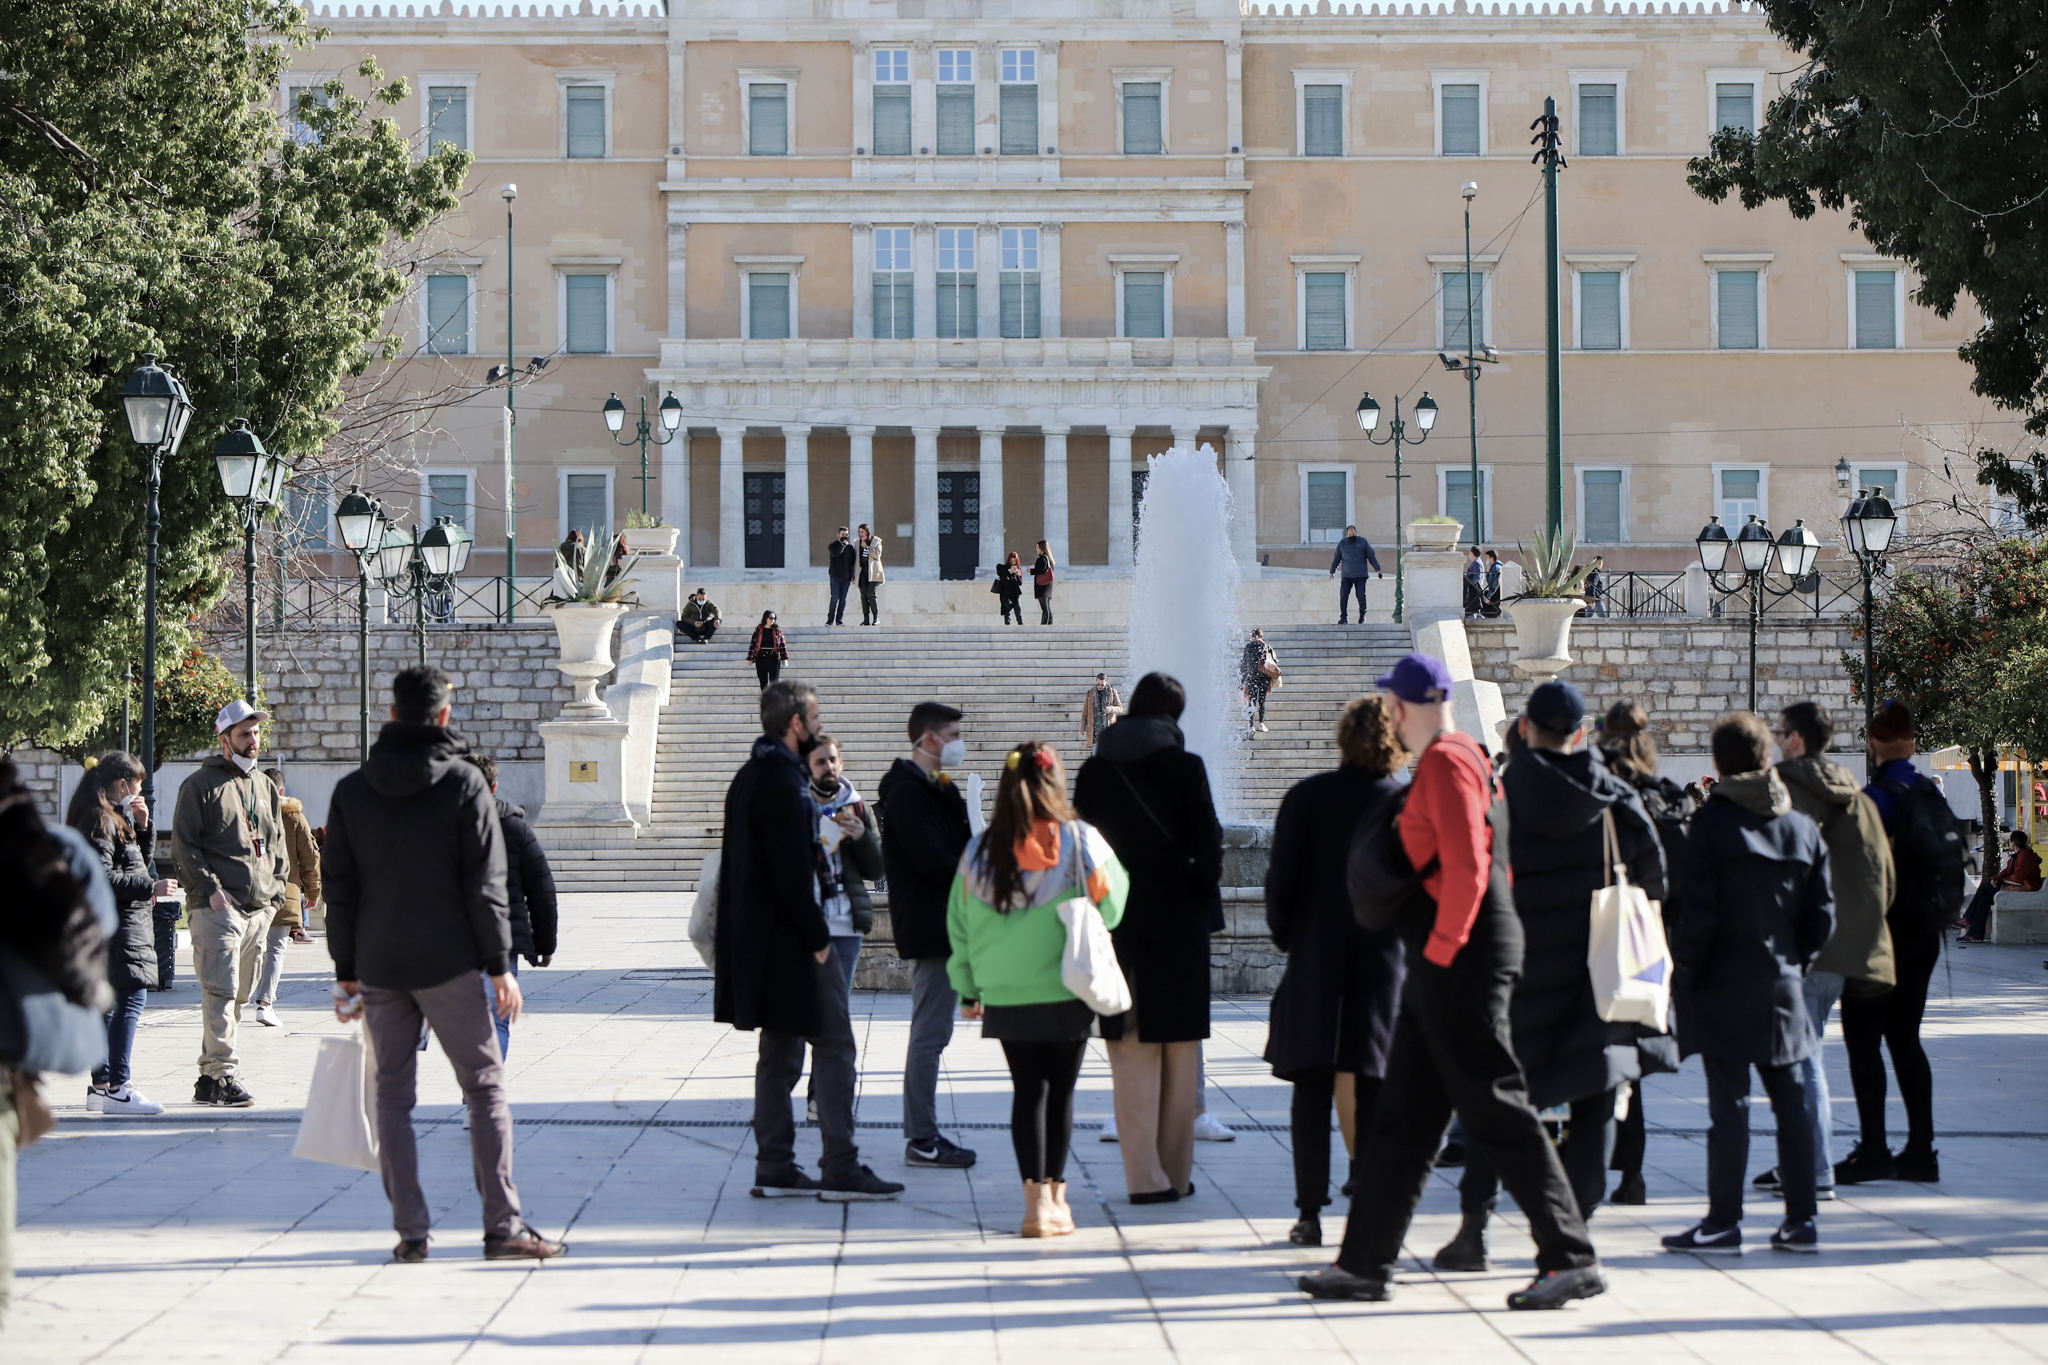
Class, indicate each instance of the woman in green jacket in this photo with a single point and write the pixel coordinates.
(1003, 920)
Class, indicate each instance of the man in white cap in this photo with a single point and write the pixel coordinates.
(229, 836)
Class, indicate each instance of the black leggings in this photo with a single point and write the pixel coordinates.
(1315, 1091)
(1044, 596)
(1042, 1112)
(1631, 1137)
(768, 669)
(1893, 1021)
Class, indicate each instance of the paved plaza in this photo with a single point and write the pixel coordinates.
(197, 1236)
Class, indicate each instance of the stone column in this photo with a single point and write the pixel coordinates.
(1049, 280)
(992, 546)
(1242, 474)
(1120, 499)
(732, 520)
(988, 291)
(1233, 107)
(796, 497)
(1049, 102)
(675, 488)
(1056, 492)
(1186, 437)
(1233, 278)
(863, 279)
(925, 502)
(860, 477)
(924, 262)
(678, 275)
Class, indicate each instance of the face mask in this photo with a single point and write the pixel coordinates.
(826, 788)
(247, 765)
(952, 754)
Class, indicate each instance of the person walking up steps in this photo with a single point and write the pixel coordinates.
(1258, 674)
(108, 809)
(1002, 919)
(767, 651)
(869, 547)
(773, 964)
(924, 832)
(1355, 558)
(842, 562)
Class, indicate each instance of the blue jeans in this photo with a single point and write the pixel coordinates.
(1822, 989)
(835, 611)
(504, 1025)
(1345, 587)
(122, 1021)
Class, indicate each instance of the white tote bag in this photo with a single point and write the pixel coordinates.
(337, 1126)
(1627, 955)
(1088, 965)
(704, 914)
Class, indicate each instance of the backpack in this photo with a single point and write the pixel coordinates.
(1928, 849)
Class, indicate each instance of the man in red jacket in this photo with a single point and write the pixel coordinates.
(1451, 1049)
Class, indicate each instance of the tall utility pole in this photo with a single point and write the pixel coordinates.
(510, 192)
(1551, 155)
(1472, 368)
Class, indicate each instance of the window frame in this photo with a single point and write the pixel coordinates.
(1304, 266)
(426, 502)
(607, 266)
(1760, 262)
(288, 107)
(1350, 473)
(611, 496)
(973, 85)
(321, 491)
(563, 80)
(1617, 79)
(747, 77)
(1900, 468)
(1483, 266)
(1037, 272)
(1037, 85)
(467, 79)
(1579, 472)
(1144, 265)
(1854, 261)
(1717, 77)
(749, 266)
(468, 270)
(1305, 76)
(1624, 265)
(1763, 489)
(973, 273)
(1443, 496)
(1437, 81)
(1162, 76)
(871, 87)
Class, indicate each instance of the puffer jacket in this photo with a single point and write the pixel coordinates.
(303, 890)
(131, 948)
(530, 901)
(1859, 869)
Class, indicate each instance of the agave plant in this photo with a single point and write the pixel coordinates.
(592, 583)
(1547, 564)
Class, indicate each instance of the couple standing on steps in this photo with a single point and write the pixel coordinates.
(850, 560)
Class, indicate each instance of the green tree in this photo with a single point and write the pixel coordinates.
(1923, 118)
(150, 200)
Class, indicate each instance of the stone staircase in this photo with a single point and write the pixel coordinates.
(1014, 683)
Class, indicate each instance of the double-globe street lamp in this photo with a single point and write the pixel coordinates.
(423, 562)
(254, 480)
(1794, 552)
(671, 419)
(158, 411)
(1397, 435)
(1867, 530)
(360, 523)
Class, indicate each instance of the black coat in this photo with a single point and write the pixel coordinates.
(1756, 911)
(924, 832)
(1009, 582)
(131, 950)
(414, 865)
(1555, 845)
(529, 886)
(1342, 989)
(769, 920)
(841, 560)
(1670, 811)
(1175, 859)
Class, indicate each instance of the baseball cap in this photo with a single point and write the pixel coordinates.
(234, 713)
(1418, 678)
(1556, 706)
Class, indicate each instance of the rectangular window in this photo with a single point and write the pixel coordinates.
(1601, 490)
(448, 496)
(1142, 129)
(1884, 480)
(306, 512)
(1018, 282)
(1461, 120)
(447, 117)
(892, 102)
(1322, 306)
(1018, 110)
(1876, 313)
(296, 95)
(587, 313)
(1735, 299)
(1144, 303)
(1328, 505)
(892, 66)
(1740, 497)
(448, 314)
(1599, 130)
(586, 120)
(893, 289)
(1600, 310)
(1454, 306)
(1322, 120)
(1457, 497)
(956, 282)
(1735, 107)
(587, 506)
(956, 66)
(768, 306)
(955, 131)
(768, 120)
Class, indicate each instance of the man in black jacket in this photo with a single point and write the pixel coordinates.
(924, 832)
(773, 958)
(841, 558)
(414, 866)
(529, 887)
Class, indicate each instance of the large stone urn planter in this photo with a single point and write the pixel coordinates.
(583, 630)
(1543, 631)
(1434, 535)
(650, 540)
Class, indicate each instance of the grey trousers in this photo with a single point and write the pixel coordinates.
(226, 947)
(271, 973)
(932, 1002)
(781, 1061)
(461, 1013)
(1822, 989)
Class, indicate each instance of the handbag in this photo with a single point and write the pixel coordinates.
(1626, 953)
(1044, 580)
(1088, 965)
(41, 1030)
(704, 913)
(336, 1127)
(1385, 886)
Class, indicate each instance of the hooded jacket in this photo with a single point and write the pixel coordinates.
(1756, 912)
(851, 863)
(414, 865)
(304, 888)
(769, 920)
(215, 842)
(529, 886)
(1860, 870)
(131, 949)
(1557, 804)
(924, 832)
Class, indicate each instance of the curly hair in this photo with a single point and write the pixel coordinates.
(1625, 742)
(1366, 738)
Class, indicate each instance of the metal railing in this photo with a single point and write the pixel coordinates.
(330, 600)
(1630, 592)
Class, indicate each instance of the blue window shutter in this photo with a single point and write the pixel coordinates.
(1454, 310)
(1600, 310)
(589, 511)
(1019, 116)
(1326, 506)
(956, 120)
(1144, 303)
(1461, 120)
(892, 120)
(1737, 303)
(586, 120)
(586, 298)
(1322, 120)
(1142, 132)
(767, 120)
(448, 314)
(1019, 303)
(1735, 107)
(957, 304)
(448, 117)
(1323, 310)
(1603, 507)
(768, 307)
(1876, 310)
(1598, 130)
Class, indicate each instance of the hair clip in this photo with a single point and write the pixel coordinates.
(1043, 758)
(1011, 762)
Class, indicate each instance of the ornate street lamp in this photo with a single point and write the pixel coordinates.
(424, 563)
(358, 519)
(1397, 435)
(1867, 530)
(158, 411)
(671, 418)
(1755, 553)
(253, 479)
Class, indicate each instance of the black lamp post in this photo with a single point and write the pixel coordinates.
(1397, 435)
(423, 562)
(254, 479)
(671, 418)
(1867, 530)
(358, 521)
(158, 411)
(1794, 553)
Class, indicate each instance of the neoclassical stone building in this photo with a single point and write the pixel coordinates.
(956, 270)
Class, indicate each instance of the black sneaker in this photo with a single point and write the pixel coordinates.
(1769, 1182)
(1307, 1231)
(938, 1152)
(1920, 1167)
(224, 1093)
(1863, 1165)
(1453, 1154)
(793, 1183)
(1704, 1240)
(1335, 1282)
(1630, 1190)
(410, 1252)
(1556, 1288)
(1801, 1237)
(860, 1185)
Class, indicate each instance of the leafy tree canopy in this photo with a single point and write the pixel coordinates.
(151, 200)
(1925, 119)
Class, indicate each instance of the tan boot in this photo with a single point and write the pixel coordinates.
(1063, 1215)
(1039, 1215)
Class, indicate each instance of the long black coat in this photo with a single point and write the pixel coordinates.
(530, 899)
(1757, 910)
(131, 951)
(1555, 845)
(769, 920)
(924, 832)
(1342, 989)
(1176, 871)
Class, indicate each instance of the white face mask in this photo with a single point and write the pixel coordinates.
(952, 754)
(247, 765)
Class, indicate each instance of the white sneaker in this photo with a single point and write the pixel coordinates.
(130, 1101)
(1262, 727)
(267, 1016)
(95, 1100)
(1209, 1128)
(1109, 1129)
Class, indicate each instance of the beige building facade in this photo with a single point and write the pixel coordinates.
(956, 277)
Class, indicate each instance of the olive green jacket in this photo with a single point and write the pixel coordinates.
(1859, 867)
(216, 844)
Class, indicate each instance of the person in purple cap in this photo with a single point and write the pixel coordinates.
(1450, 1051)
